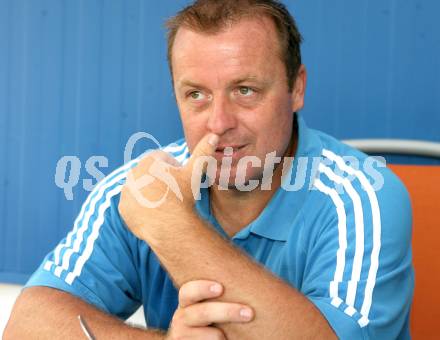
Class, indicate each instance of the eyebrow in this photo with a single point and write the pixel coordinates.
(189, 83)
(245, 79)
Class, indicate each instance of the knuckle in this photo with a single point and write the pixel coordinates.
(190, 292)
(144, 162)
(182, 294)
(185, 285)
(158, 156)
(178, 317)
(187, 314)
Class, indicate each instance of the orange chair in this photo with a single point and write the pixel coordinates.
(423, 184)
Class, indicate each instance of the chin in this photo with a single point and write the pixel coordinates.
(244, 180)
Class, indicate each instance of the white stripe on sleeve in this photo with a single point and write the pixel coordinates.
(359, 230)
(376, 219)
(342, 234)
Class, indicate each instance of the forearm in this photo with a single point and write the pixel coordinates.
(45, 313)
(198, 252)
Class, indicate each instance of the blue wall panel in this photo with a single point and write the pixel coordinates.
(78, 78)
(374, 67)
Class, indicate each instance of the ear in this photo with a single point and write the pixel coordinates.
(299, 89)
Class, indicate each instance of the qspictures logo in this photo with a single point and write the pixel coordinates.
(296, 172)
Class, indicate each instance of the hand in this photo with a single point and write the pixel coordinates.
(146, 205)
(197, 313)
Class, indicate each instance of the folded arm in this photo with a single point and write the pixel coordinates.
(47, 313)
(281, 312)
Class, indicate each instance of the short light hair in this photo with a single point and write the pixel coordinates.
(214, 16)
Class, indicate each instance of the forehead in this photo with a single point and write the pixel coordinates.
(249, 46)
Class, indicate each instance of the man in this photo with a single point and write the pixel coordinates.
(255, 256)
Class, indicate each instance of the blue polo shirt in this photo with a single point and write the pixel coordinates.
(338, 230)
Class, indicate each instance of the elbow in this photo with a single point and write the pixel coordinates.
(16, 326)
(12, 329)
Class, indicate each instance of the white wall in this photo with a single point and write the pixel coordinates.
(8, 294)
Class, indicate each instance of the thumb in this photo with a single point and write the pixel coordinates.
(206, 147)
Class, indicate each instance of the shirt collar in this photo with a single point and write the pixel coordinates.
(276, 219)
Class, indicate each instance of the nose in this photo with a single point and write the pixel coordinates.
(221, 117)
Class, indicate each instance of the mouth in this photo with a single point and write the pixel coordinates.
(234, 151)
(235, 148)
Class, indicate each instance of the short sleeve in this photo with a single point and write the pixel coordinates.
(359, 264)
(97, 261)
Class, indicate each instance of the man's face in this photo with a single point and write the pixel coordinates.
(234, 84)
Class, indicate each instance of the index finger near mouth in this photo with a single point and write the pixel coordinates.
(205, 148)
(197, 291)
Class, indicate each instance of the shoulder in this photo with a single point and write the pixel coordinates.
(350, 185)
(369, 176)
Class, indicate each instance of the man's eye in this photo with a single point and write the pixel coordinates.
(246, 91)
(196, 95)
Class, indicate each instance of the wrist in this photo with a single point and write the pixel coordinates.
(175, 223)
